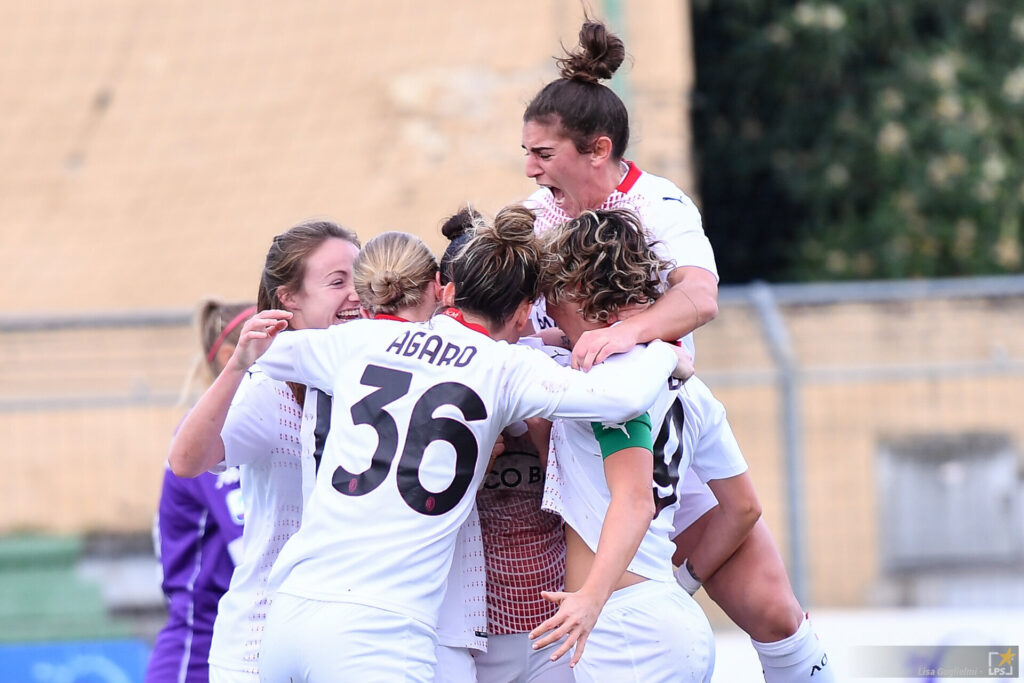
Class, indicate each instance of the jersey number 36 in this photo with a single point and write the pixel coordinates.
(422, 429)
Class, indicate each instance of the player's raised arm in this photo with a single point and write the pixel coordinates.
(690, 301)
(301, 356)
(197, 446)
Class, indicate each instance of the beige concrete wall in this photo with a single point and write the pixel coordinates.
(151, 150)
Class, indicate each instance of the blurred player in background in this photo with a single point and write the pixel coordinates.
(198, 531)
(308, 271)
(524, 546)
(575, 134)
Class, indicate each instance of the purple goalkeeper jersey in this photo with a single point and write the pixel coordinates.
(198, 520)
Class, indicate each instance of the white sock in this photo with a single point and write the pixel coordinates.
(800, 658)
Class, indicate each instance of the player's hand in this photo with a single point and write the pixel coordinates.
(594, 346)
(497, 449)
(256, 336)
(684, 368)
(577, 613)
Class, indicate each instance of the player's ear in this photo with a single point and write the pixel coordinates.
(448, 294)
(288, 298)
(522, 315)
(601, 150)
(223, 355)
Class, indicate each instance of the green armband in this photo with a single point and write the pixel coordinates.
(616, 436)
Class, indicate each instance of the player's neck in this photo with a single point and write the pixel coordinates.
(473, 321)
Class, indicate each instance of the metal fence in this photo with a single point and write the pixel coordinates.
(879, 420)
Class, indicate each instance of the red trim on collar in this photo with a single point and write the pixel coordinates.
(456, 314)
(385, 316)
(632, 175)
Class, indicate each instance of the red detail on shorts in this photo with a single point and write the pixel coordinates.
(429, 504)
(352, 486)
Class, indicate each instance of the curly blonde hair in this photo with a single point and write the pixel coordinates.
(603, 261)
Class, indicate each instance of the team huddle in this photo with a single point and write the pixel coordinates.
(494, 466)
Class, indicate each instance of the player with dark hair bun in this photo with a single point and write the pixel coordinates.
(575, 133)
(524, 546)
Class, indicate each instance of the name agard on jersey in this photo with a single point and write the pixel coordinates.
(433, 349)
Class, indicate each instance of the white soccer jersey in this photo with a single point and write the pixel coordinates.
(433, 397)
(688, 429)
(665, 211)
(261, 437)
(316, 422)
(462, 622)
(709, 446)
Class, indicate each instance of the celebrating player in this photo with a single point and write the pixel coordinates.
(198, 532)
(359, 586)
(619, 533)
(524, 546)
(308, 272)
(575, 133)
(396, 279)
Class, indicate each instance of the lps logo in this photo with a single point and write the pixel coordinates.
(1001, 664)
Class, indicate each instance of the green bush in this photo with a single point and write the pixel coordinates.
(861, 138)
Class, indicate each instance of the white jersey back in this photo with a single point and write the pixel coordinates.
(709, 447)
(463, 618)
(689, 429)
(261, 437)
(416, 410)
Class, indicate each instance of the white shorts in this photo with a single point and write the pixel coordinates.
(650, 632)
(511, 658)
(314, 641)
(454, 665)
(219, 674)
(695, 499)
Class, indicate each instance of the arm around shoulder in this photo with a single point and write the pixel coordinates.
(625, 386)
(690, 302)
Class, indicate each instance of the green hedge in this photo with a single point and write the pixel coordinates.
(861, 138)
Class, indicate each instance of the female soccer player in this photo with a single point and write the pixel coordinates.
(599, 267)
(575, 133)
(524, 546)
(308, 272)
(395, 277)
(359, 586)
(198, 531)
